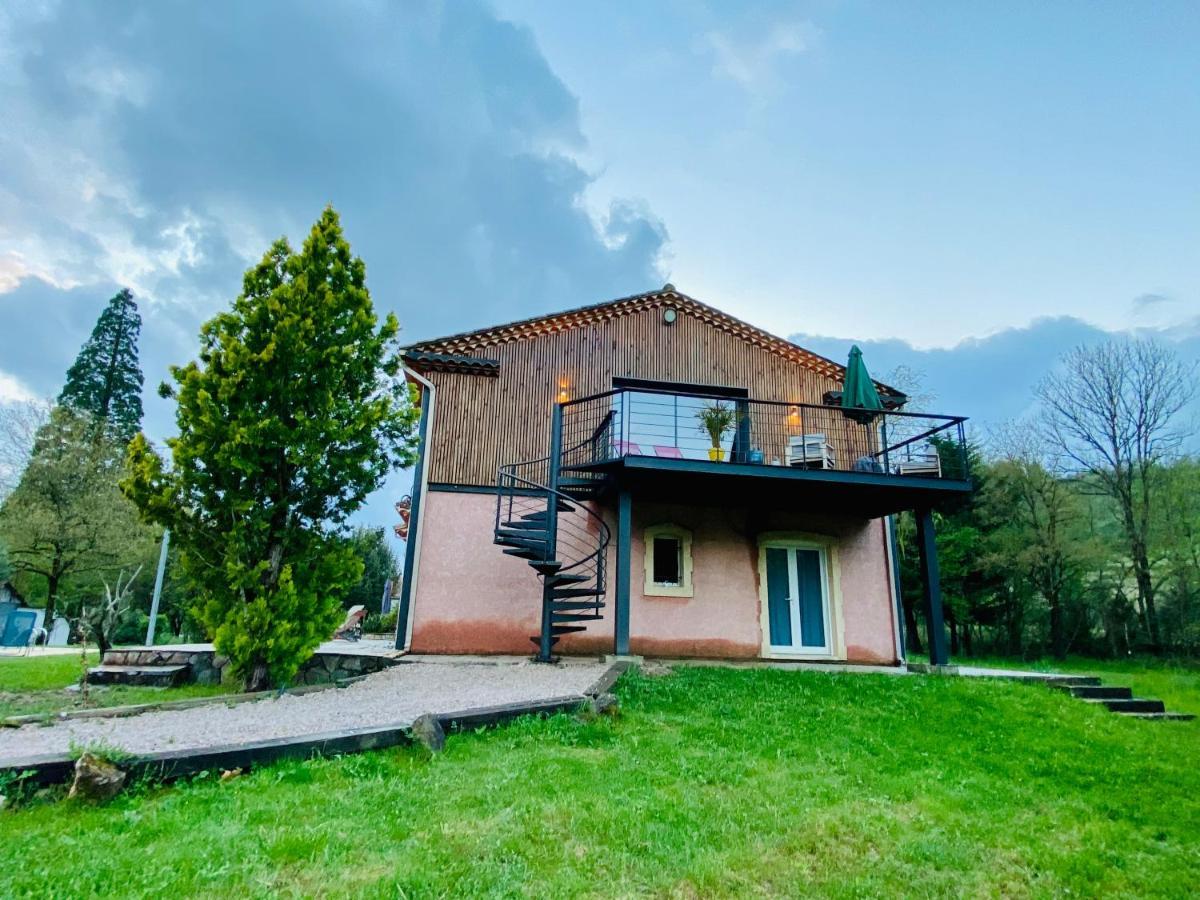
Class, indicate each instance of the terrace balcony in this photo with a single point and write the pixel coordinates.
(821, 457)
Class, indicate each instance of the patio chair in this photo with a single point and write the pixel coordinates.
(351, 628)
(928, 463)
(627, 448)
(667, 452)
(809, 451)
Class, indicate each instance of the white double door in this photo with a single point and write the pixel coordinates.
(798, 618)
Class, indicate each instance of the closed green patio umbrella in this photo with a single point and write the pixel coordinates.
(858, 393)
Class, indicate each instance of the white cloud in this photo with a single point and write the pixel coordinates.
(1161, 311)
(14, 268)
(13, 390)
(751, 63)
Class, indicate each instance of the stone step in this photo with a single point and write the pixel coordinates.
(1069, 681)
(1099, 692)
(150, 676)
(1132, 705)
(1162, 716)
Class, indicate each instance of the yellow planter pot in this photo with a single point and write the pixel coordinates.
(716, 454)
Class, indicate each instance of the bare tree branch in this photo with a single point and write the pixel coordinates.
(1112, 413)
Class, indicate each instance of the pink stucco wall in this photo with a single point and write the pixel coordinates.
(471, 598)
(869, 611)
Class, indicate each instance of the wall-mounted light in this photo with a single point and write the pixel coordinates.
(669, 315)
(563, 394)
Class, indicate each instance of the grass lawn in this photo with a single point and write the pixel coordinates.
(34, 684)
(710, 782)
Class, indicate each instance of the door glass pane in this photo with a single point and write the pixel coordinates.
(812, 604)
(779, 612)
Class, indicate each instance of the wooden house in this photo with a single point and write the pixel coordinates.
(653, 476)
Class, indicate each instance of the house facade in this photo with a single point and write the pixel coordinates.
(653, 476)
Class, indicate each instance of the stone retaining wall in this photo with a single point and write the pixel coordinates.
(325, 667)
(207, 666)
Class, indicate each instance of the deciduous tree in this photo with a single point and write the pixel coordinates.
(100, 618)
(1112, 412)
(19, 426)
(67, 517)
(1034, 536)
(379, 566)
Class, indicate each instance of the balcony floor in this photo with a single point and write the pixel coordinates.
(865, 494)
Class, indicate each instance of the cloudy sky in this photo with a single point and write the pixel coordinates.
(967, 188)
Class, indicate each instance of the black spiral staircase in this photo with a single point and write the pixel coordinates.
(540, 517)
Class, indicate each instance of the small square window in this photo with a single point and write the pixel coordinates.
(668, 561)
(668, 555)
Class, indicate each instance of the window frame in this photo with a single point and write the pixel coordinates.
(652, 588)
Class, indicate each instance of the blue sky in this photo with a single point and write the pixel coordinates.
(967, 188)
(926, 171)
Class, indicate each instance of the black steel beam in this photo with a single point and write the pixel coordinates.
(932, 587)
(624, 560)
(546, 639)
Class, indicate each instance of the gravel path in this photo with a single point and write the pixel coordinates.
(393, 696)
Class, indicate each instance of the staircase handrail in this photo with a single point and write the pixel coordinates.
(604, 423)
(604, 534)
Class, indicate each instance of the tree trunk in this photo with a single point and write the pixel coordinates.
(1058, 642)
(1013, 625)
(1145, 586)
(51, 601)
(259, 678)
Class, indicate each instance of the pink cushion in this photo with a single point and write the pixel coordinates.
(668, 452)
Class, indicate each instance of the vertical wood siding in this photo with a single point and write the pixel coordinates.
(484, 422)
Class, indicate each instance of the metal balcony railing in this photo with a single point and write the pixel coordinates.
(676, 425)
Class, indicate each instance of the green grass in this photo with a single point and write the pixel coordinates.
(711, 782)
(34, 684)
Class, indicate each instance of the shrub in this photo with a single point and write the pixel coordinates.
(380, 624)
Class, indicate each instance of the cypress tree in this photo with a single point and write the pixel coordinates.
(293, 414)
(106, 377)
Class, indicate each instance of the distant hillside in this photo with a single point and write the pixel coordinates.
(990, 379)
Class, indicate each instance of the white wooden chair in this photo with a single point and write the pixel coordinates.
(809, 451)
(927, 462)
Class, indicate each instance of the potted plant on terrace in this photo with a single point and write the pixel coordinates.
(716, 419)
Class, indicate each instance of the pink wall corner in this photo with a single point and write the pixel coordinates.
(868, 610)
(470, 597)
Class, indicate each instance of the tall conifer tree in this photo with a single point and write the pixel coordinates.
(106, 378)
(293, 414)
